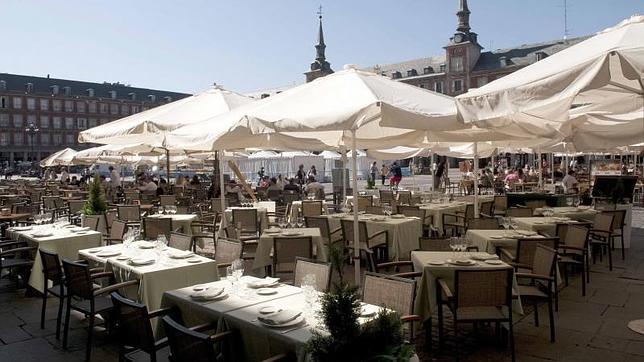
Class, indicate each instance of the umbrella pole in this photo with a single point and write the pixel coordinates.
(539, 168)
(354, 186)
(167, 164)
(344, 175)
(222, 188)
(476, 181)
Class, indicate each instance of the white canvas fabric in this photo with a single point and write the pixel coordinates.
(587, 94)
(60, 158)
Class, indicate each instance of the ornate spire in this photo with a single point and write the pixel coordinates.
(320, 46)
(463, 15)
(320, 67)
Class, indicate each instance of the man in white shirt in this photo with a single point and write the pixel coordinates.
(115, 178)
(313, 187)
(569, 182)
(64, 176)
(147, 185)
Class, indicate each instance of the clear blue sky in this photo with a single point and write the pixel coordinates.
(247, 45)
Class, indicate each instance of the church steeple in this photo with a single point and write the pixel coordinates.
(463, 15)
(320, 67)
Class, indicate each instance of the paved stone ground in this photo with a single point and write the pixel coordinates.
(591, 328)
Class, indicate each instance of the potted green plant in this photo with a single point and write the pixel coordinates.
(95, 204)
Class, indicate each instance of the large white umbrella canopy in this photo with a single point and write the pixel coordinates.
(600, 77)
(150, 126)
(60, 158)
(322, 115)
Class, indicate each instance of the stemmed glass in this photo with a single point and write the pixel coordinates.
(300, 222)
(282, 222)
(453, 244)
(309, 289)
(236, 272)
(387, 209)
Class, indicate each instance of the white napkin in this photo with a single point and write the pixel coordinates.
(281, 317)
(485, 257)
(207, 294)
(142, 261)
(261, 283)
(145, 244)
(181, 254)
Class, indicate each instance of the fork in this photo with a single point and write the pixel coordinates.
(294, 328)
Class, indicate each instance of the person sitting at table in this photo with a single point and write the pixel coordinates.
(511, 179)
(272, 185)
(74, 181)
(264, 182)
(147, 185)
(280, 182)
(195, 181)
(313, 187)
(291, 186)
(64, 176)
(233, 187)
(569, 182)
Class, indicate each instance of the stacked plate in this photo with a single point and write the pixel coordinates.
(461, 262)
(264, 283)
(181, 254)
(140, 261)
(209, 294)
(108, 253)
(282, 318)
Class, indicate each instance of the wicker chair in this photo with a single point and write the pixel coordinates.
(573, 251)
(393, 292)
(321, 270)
(487, 208)
(364, 201)
(53, 273)
(519, 212)
(129, 213)
(181, 241)
(117, 231)
(426, 225)
(249, 222)
(535, 204)
(131, 196)
(369, 244)
(477, 296)
(285, 250)
(483, 223)
(600, 237)
(289, 196)
(167, 200)
(155, 226)
(84, 298)
(229, 250)
(375, 210)
(542, 277)
(134, 328)
(619, 218)
(458, 222)
(434, 244)
(404, 198)
(526, 248)
(322, 223)
(91, 221)
(386, 196)
(500, 204)
(311, 208)
(191, 345)
(16, 258)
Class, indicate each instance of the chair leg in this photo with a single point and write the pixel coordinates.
(584, 272)
(535, 305)
(511, 337)
(428, 334)
(441, 337)
(551, 316)
(621, 238)
(610, 258)
(456, 338)
(44, 307)
(61, 301)
(90, 333)
(587, 267)
(66, 329)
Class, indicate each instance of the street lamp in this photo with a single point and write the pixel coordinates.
(31, 130)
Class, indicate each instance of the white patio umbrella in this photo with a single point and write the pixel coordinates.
(61, 158)
(601, 76)
(342, 110)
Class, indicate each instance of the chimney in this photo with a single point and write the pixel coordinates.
(503, 62)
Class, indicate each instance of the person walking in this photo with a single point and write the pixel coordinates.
(384, 171)
(300, 176)
(396, 173)
(373, 170)
(438, 176)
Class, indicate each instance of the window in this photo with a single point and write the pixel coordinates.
(442, 68)
(17, 102)
(412, 73)
(57, 105)
(81, 123)
(124, 109)
(31, 118)
(456, 64)
(103, 108)
(4, 139)
(481, 81)
(17, 121)
(45, 138)
(3, 102)
(58, 122)
(18, 138)
(438, 87)
(4, 120)
(70, 139)
(135, 109)
(458, 85)
(69, 106)
(396, 75)
(31, 104)
(428, 70)
(114, 108)
(69, 122)
(44, 104)
(421, 85)
(57, 139)
(44, 121)
(91, 106)
(80, 107)
(92, 122)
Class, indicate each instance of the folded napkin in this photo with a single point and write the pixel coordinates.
(207, 294)
(281, 317)
(485, 257)
(145, 244)
(261, 283)
(181, 254)
(142, 261)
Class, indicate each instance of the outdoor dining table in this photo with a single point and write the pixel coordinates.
(489, 240)
(577, 213)
(436, 210)
(65, 241)
(262, 214)
(263, 253)
(296, 208)
(545, 225)
(404, 232)
(425, 305)
(239, 311)
(11, 218)
(165, 273)
(375, 200)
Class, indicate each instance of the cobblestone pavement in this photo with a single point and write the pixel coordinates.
(590, 328)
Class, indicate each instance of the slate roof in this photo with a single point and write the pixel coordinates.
(42, 85)
(417, 64)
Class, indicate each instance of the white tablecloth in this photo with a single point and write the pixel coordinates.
(437, 211)
(296, 208)
(261, 214)
(265, 246)
(570, 212)
(403, 233)
(546, 225)
(63, 242)
(182, 221)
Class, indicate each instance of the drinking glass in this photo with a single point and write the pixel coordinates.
(282, 223)
(453, 244)
(309, 289)
(300, 222)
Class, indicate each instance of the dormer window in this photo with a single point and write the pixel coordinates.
(540, 55)
(396, 75)
(428, 70)
(412, 73)
(503, 62)
(132, 96)
(29, 87)
(152, 98)
(168, 99)
(90, 92)
(67, 91)
(3, 85)
(54, 89)
(112, 94)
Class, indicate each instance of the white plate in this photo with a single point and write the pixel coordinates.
(266, 291)
(293, 322)
(273, 231)
(433, 262)
(210, 299)
(123, 258)
(141, 262)
(92, 251)
(397, 216)
(42, 234)
(193, 260)
(108, 253)
(269, 309)
(182, 254)
(81, 232)
(466, 262)
(146, 245)
(22, 228)
(494, 262)
(263, 283)
(199, 287)
(496, 237)
(292, 233)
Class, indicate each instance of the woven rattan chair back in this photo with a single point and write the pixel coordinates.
(233, 199)
(486, 208)
(311, 208)
(78, 280)
(526, 248)
(364, 201)
(404, 198)
(180, 241)
(392, 292)
(226, 251)
(603, 222)
(274, 195)
(118, 229)
(132, 323)
(321, 271)
(75, 206)
(247, 218)
(319, 222)
(51, 267)
(289, 196)
(386, 196)
(412, 211)
(375, 210)
(518, 212)
(155, 226)
(544, 261)
(91, 221)
(483, 288)
(188, 345)
(167, 200)
(110, 217)
(619, 217)
(431, 244)
(285, 250)
(500, 203)
(347, 231)
(575, 236)
(483, 223)
(49, 202)
(129, 212)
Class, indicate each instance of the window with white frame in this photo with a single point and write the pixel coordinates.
(69, 122)
(92, 122)
(44, 104)
(57, 105)
(91, 106)
(5, 139)
(45, 138)
(18, 138)
(81, 123)
(57, 122)
(80, 107)
(438, 86)
(44, 121)
(17, 121)
(17, 102)
(70, 139)
(31, 104)
(69, 106)
(457, 85)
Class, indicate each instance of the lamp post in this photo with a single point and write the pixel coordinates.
(31, 130)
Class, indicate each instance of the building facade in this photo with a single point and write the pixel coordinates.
(41, 115)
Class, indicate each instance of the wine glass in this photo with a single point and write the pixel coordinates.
(282, 223)
(453, 244)
(309, 289)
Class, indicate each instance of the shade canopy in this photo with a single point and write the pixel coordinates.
(321, 115)
(60, 158)
(398, 153)
(590, 92)
(150, 126)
